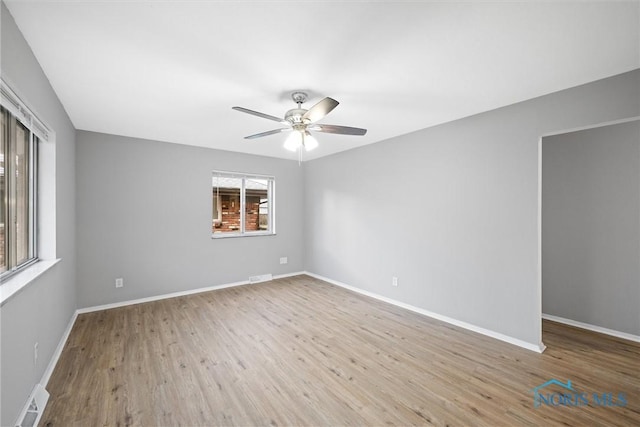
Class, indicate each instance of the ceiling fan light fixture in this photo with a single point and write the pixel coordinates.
(309, 141)
(293, 141)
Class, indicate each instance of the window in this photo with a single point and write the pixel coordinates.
(242, 204)
(18, 154)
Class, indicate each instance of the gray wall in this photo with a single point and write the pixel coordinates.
(144, 214)
(451, 210)
(41, 312)
(591, 226)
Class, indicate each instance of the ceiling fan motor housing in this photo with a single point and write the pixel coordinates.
(294, 116)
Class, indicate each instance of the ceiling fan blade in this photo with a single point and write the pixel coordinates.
(343, 130)
(259, 114)
(320, 110)
(267, 133)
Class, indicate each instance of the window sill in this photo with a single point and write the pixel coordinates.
(21, 280)
(233, 235)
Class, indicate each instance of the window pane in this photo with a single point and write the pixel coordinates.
(18, 183)
(256, 204)
(3, 192)
(22, 194)
(264, 213)
(226, 195)
(216, 214)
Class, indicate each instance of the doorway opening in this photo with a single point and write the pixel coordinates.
(589, 226)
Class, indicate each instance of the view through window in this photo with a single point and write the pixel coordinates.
(18, 154)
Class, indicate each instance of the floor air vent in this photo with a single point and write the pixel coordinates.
(35, 407)
(261, 278)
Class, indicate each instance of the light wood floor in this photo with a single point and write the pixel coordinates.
(301, 352)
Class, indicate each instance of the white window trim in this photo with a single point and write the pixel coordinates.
(46, 201)
(271, 231)
(14, 104)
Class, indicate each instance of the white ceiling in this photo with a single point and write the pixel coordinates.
(172, 70)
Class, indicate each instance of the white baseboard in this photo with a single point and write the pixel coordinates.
(592, 328)
(56, 354)
(282, 276)
(176, 294)
(46, 376)
(515, 341)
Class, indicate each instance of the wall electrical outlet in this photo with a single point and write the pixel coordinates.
(119, 282)
(284, 260)
(394, 281)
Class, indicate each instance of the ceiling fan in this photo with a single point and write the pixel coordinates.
(302, 122)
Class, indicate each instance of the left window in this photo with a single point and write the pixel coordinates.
(18, 181)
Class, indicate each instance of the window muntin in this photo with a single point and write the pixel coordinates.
(242, 204)
(18, 154)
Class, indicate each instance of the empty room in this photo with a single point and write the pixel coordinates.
(319, 213)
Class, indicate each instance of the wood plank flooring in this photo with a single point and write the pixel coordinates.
(301, 352)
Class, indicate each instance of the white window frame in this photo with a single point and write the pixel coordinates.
(271, 195)
(46, 246)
